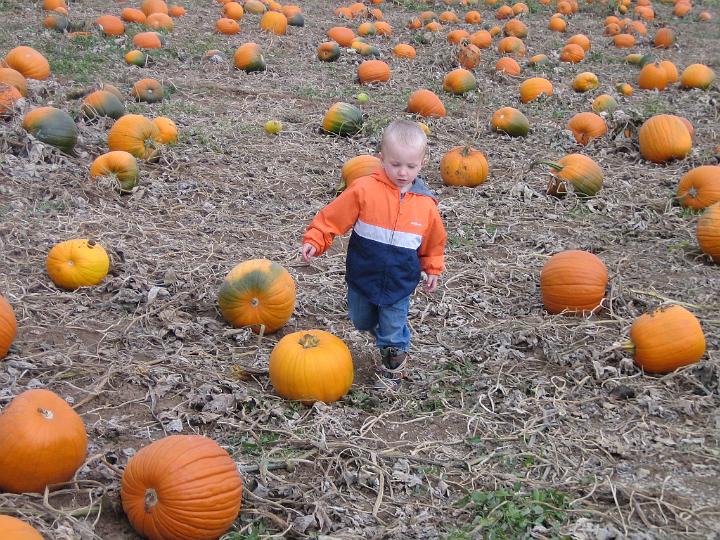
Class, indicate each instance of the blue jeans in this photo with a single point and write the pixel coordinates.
(387, 323)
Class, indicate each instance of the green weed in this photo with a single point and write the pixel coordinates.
(247, 445)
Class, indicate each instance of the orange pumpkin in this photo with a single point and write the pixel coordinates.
(154, 6)
(77, 263)
(664, 137)
(28, 62)
(511, 121)
(457, 36)
(147, 40)
(249, 58)
(135, 134)
(118, 165)
(695, 76)
(255, 7)
(227, 26)
(110, 25)
(133, 15)
(664, 38)
(574, 282)
(9, 95)
(257, 293)
(468, 55)
(509, 66)
(42, 441)
(233, 10)
(708, 232)
(515, 27)
(329, 51)
(586, 126)
(181, 486)
(8, 326)
(102, 103)
(464, 166)
(148, 90)
(473, 17)
(572, 53)
(511, 45)
(358, 166)
(403, 50)
(373, 71)
(581, 171)
(535, 87)
(14, 78)
(342, 35)
(459, 81)
(274, 22)
(580, 39)
(666, 339)
(425, 103)
(624, 41)
(167, 128)
(160, 21)
(14, 529)
(557, 24)
(585, 81)
(604, 103)
(653, 77)
(700, 187)
(382, 28)
(670, 71)
(176, 11)
(481, 39)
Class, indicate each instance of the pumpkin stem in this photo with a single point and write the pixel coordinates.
(91, 243)
(551, 164)
(629, 346)
(151, 499)
(465, 152)
(308, 341)
(46, 413)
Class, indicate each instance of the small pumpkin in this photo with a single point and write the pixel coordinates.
(256, 7)
(481, 39)
(154, 6)
(52, 126)
(135, 134)
(538, 60)
(509, 66)
(585, 82)
(15, 529)
(664, 38)
(586, 126)
(177, 11)
(133, 15)
(511, 45)
(373, 71)
(708, 232)
(356, 167)
(9, 95)
(137, 57)
(77, 263)
(457, 36)
(625, 89)
(14, 78)
(666, 339)
(274, 22)
(249, 58)
(8, 326)
(227, 26)
(695, 76)
(119, 165)
(257, 293)
(311, 365)
(557, 24)
(328, 51)
(341, 35)
(425, 103)
(511, 121)
(581, 171)
(148, 40)
(464, 166)
(604, 103)
(148, 90)
(664, 137)
(459, 81)
(534, 88)
(181, 486)
(42, 441)
(582, 40)
(102, 103)
(160, 21)
(468, 55)
(110, 25)
(572, 53)
(167, 128)
(29, 62)
(700, 187)
(624, 41)
(343, 119)
(573, 282)
(56, 21)
(515, 27)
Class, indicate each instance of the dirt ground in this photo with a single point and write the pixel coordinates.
(544, 415)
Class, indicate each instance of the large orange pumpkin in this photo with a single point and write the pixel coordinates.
(664, 137)
(42, 441)
(708, 232)
(249, 57)
(573, 281)
(666, 339)
(700, 187)
(119, 165)
(14, 78)
(311, 365)
(459, 81)
(373, 71)
(182, 486)
(257, 293)
(693, 76)
(77, 263)
(354, 168)
(8, 326)
(425, 103)
(274, 22)
(535, 87)
(14, 529)
(581, 171)
(586, 126)
(464, 166)
(29, 62)
(110, 25)
(135, 134)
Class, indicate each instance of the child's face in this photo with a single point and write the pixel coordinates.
(402, 163)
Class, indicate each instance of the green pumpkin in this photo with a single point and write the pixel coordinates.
(102, 103)
(52, 126)
(343, 119)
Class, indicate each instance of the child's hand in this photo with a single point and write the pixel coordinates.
(431, 282)
(308, 251)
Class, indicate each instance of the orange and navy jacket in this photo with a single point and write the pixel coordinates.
(393, 237)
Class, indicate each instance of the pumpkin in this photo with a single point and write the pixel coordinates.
(653, 77)
(119, 165)
(572, 53)
(358, 166)
(504, 12)
(693, 76)
(586, 126)
(582, 172)
(604, 103)
(14, 529)
(56, 21)
(515, 27)
(51, 5)
(8, 326)
(535, 87)
(666, 339)
(448, 17)
(148, 40)
(181, 486)
(624, 41)
(664, 137)
(52, 126)
(511, 45)
(274, 22)
(102, 103)
(457, 36)
(177, 11)
(249, 58)
(511, 121)
(611, 29)
(557, 24)
(113, 90)
(664, 38)
(154, 6)
(342, 119)
(110, 25)
(585, 81)
(573, 281)
(708, 232)
(42, 441)
(342, 35)
(382, 28)
(403, 50)
(468, 55)
(463, 166)
(257, 293)
(148, 90)
(167, 129)
(538, 60)
(473, 17)
(9, 95)
(670, 71)
(77, 263)
(425, 103)
(137, 58)
(133, 15)
(481, 39)
(625, 89)
(373, 71)
(233, 10)
(135, 134)
(328, 51)
(255, 7)
(227, 26)
(28, 62)
(14, 78)
(160, 21)
(700, 187)
(459, 81)
(582, 40)
(509, 66)
(688, 125)
(311, 365)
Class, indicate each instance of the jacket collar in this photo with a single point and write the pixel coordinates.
(419, 187)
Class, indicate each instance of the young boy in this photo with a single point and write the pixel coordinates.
(397, 233)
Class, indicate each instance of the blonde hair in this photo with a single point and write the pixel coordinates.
(404, 132)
